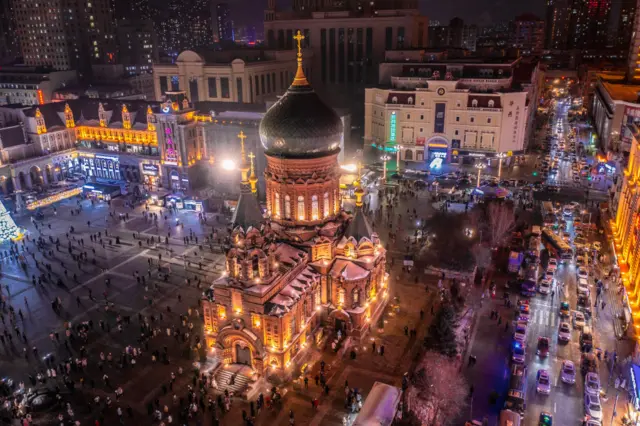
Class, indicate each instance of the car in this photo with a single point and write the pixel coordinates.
(582, 273)
(545, 419)
(565, 310)
(518, 353)
(548, 275)
(580, 261)
(543, 382)
(553, 264)
(592, 384)
(582, 287)
(592, 407)
(597, 245)
(520, 334)
(579, 321)
(566, 236)
(543, 347)
(568, 372)
(593, 422)
(545, 287)
(564, 332)
(524, 314)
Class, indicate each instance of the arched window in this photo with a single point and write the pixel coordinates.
(474, 103)
(394, 100)
(325, 207)
(491, 103)
(314, 207)
(255, 266)
(355, 296)
(340, 296)
(277, 205)
(287, 207)
(336, 201)
(410, 100)
(301, 214)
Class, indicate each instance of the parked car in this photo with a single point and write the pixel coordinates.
(579, 320)
(568, 373)
(592, 407)
(592, 384)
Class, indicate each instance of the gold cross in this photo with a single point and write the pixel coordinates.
(242, 137)
(299, 37)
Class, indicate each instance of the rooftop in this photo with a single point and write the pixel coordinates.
(622, 92)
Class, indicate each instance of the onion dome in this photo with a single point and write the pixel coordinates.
(300, 124)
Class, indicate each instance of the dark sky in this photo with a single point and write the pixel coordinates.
(482, 12)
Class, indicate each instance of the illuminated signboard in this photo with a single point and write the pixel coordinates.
(40, 97)
(150, 169)
(170, 154)
(635, 372)
(392, 127)
(107, 157)
(54, 198)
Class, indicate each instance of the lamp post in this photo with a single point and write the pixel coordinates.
(500, 156)
(384, 159)
(480, 167)
(398, 148)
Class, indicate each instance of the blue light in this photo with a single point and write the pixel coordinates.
(392, 127)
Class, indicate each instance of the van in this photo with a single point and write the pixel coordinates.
(509, 418)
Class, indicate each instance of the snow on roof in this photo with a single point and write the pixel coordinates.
(354, 272)
(289, 254)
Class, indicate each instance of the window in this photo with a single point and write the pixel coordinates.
(289, 39)
(262, 84)
(341, 59)
(355, 296)
(257, 85)
(350, 54)
(388, 38)
(268, 84)
(271, 39)
(421, 130)
(457, 118)
(325, 207)
(400, 38)
(239, 89)
(273, 81)
(213, 87)
(359, 49)
(472, 119)
(491, 103)
(301, 214)
(323, 54)
(175, 83)
(332, 55)
(456, 133)
(488, 121)
(314, 208)
(224, 87)
(164, 85)
(287, 207)
(474, 103)
(394, 100)
(341, 297)
(276, 206)
(421, 117)
(280, 39)
(408, 116)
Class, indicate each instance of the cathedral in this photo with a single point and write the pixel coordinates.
(306, 270)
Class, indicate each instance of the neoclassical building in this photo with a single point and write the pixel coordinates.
(305, 267)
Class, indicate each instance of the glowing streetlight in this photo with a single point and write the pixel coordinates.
(500, 156)
(398, 149)
(228, 165)
(384, 159)
(480, 167)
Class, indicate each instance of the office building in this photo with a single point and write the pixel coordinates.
(558, 18)
(30, 85)
(457, 110)
(224, 22)
(66, 35)
(182, 25)
(347, 46)
(137, 42)
(625, 27)
(589, 24)
(9, 44)
(222, 76)
(528, 34)
(633, 59)
(615, 106)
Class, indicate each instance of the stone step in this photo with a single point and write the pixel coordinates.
(241, 382)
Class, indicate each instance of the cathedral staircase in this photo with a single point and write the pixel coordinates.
(243, 380)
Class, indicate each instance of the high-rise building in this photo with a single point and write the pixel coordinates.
(633, 68)
(625, 26)
(347, 45)
(438, 36)
(224, 23)
(65, 34)
(558, 16)
(589, 23)
(137, 43)
(528, 34)
(182, 24)
(9, 46)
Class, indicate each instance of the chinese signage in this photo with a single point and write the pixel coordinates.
(420, 141)
(392, 127)
(170, 154)
(150, 169)
(439, 119)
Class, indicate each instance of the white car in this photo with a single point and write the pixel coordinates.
(564, 332)
(582, 273)
(520, 335)
(543, 382)
(592, 384)
(544, 287)
(568, 373)
(579, 320)
(592, 407)
(548, 275)
(553, 264)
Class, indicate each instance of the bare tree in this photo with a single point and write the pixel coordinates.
(482, 256)
(438, 391)
(502, 222)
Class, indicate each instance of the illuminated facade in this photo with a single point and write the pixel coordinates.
(307, 269)
(626, 229)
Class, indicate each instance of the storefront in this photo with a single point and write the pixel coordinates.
(192, 204)
(100, 166)
(151, 173)
(634, 395)
(99, 191)
(438, 150)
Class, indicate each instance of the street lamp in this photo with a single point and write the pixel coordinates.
(500, 156)
(480, 167)
(398, 148)
(384, 159)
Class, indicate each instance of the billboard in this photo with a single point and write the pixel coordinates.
(439, 118)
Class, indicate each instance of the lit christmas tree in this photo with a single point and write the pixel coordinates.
(8, 228)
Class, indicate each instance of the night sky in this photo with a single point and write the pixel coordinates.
(481, 12)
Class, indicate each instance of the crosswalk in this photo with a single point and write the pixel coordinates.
(544, 317)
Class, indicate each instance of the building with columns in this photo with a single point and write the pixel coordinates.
(244, 76)
(305, 269)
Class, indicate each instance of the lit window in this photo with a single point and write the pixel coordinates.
(314, 207)
(325, 207)
(287, 207)
(301, 214)
(277, 204)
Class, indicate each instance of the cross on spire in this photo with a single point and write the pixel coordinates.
(251, 157)
(299, 37)
(242, 137)
(300, 79)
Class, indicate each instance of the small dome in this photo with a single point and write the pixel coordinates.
(300, 125)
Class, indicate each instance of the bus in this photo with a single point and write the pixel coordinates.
(557, 246)
(548, 213)
(517, 390)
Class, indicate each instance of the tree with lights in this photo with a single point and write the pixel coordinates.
(442, 335)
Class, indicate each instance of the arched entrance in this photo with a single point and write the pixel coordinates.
(174, 180)
(36, 175)
(22, 180)
(341, 321)
(242, 353)
(408, 155)
(240, 346)
(49, 172)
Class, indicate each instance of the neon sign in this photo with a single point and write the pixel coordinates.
(171, 155)
(392, 127)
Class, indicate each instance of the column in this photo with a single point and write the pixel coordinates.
(45, 179)
(27, 179)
